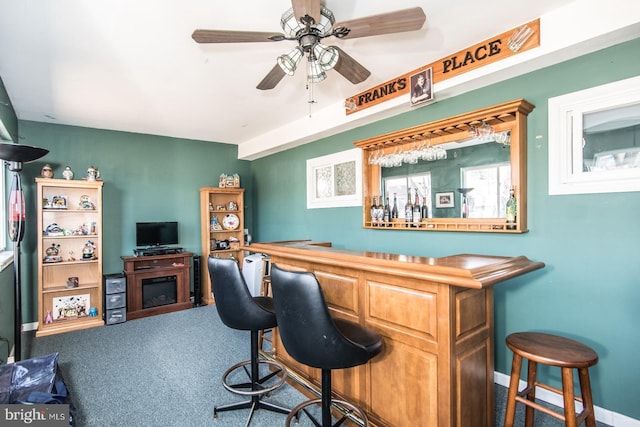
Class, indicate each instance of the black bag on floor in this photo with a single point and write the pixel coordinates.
(37, 380)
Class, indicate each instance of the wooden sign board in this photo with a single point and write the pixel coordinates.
(491, 50)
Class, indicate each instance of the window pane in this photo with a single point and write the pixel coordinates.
(324, 182)
(611, 139)
(345, 174)
(397, 187)
(490, 190)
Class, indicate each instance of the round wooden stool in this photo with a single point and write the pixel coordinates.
(557, 351)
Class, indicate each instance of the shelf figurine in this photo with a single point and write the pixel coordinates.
(88, 250)
(46, 171)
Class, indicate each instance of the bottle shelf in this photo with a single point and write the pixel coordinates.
(497, 225)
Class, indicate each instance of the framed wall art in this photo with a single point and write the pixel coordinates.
(445, 200)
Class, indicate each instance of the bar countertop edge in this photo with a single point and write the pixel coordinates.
(465, 270)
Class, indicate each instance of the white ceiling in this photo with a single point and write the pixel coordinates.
(133, 66)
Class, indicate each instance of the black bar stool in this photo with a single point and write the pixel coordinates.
(314, 338)
(239, 310)
(557, 351)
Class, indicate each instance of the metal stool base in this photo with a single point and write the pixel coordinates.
(295, 412)
(254, 388)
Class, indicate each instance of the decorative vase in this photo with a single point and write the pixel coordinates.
(67, 173)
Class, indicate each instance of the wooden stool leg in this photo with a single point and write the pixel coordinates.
(532, 369)
(587, 398)
(569, 397)
(510, 414)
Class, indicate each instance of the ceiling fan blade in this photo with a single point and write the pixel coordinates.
(306, 7)
(272, 78)
(385, 23)
(224, 36)
(350, 69)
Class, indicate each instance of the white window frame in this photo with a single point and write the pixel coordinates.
(332, 160)
(566, 114)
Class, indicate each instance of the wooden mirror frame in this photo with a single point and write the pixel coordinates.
(511, 116)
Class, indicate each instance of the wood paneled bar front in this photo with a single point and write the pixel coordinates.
(436, 318)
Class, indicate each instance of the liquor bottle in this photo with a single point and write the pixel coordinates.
(425, 209)
(379, 211)
(386, 214)
(408, 208)
(512, 208)
(417, 212)
(394, 210)
(374, 213)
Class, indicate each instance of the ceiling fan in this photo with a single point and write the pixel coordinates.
(309, 22)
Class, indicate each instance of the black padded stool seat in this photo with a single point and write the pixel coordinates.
(312, 337)
(238, 309)
(556, 351)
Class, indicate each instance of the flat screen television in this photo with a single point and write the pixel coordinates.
(156, 233)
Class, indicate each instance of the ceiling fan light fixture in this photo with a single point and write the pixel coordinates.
(289, 61)
(315, 71)
(327, 56)
(290, 24)
(326, 21)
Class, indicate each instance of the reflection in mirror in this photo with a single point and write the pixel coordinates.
(483, 166)
(611, 139)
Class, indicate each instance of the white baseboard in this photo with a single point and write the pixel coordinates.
(603, 415)
(33, 326)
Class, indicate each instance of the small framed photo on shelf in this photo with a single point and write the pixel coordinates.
(445, 200)
(54, 202)
(71, 307)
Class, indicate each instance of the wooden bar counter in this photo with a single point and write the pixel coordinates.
(436, 318)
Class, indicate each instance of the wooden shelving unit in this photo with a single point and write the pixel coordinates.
(62, 308)
(215, 203)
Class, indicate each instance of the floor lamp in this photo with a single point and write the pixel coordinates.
(15, 155)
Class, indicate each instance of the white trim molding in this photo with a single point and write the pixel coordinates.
(569, 171)
(335, 180)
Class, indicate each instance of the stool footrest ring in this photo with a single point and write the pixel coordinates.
(255, 387)
(301, 407)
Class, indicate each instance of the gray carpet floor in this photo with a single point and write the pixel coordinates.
(165, 371)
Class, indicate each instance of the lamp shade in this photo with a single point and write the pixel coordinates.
(290, 24)
(289, 62)
(20, 153)
(315, 71)
(327, 56)
(326, 21)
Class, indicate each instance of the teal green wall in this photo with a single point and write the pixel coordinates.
(146, 178)
(589, 289)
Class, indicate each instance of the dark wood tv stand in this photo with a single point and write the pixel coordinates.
(139, 268)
